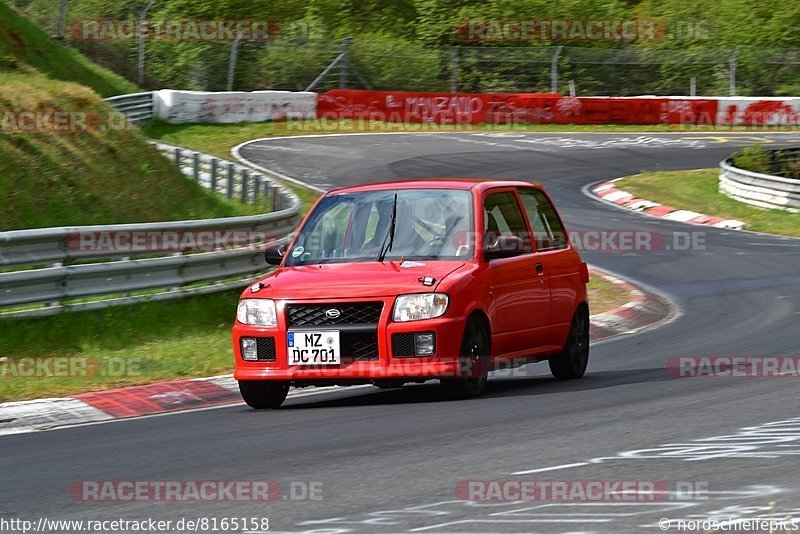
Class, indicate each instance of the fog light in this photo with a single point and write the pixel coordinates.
(425, 344)
(249, 349)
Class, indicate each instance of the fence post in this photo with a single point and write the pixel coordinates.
(140, 28)
(344, 64)
(178, 157)
(554, 70)
(692, 86)
(454, 69)
(231, 173)
(732, 71)
(214, 175)
(62, 20)
(232, 60)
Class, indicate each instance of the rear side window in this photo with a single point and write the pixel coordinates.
(547, 228)
(503, 216)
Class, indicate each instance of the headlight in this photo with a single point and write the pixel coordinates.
(420, 306)
(259, 312)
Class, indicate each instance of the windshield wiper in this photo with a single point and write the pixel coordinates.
(386, 246)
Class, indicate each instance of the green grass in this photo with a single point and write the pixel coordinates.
(604, 295)
(23, 44)
(697, 191)
(139, 343)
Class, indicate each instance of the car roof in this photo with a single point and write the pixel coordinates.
(480, 184)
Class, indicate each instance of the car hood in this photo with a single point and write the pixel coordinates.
(354, 280)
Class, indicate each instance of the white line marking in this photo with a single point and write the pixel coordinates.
(553, 468)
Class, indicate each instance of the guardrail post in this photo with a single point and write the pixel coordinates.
(196, 166)
(178, 158)
(265, 185)
(231, 174)
(214, 175)
(276, 200)
(256, 190)
(245, 185)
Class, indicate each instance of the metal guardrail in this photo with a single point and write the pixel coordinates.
(114, 274)
(137, 107)
(226, 177)
(757, 189)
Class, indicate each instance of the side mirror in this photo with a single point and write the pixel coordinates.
(506, 246)
(274, 255)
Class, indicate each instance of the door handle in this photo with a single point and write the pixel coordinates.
(539, 268)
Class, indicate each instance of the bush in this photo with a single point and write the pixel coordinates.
(754, 159)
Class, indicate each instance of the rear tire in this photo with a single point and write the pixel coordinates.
(261, 394)
(572, 361)
(475, 357)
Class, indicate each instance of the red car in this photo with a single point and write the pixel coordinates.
(410, 281)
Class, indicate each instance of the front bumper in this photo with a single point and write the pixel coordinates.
(384, 365)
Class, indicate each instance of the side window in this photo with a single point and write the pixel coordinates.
(547, 229)
(502, 216)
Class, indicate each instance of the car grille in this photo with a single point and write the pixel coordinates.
(358, 346)
(358, 322)
(402, 345)
(265, 348)
(318, 314)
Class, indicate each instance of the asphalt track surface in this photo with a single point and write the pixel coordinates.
(389, 461)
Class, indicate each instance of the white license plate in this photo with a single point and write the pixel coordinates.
(313, 348)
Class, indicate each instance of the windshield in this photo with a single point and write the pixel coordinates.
(429, 224)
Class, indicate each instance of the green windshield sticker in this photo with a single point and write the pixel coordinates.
(298, 251)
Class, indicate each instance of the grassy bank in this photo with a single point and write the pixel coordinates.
(99, 174)
(23, 43)
(697, 191)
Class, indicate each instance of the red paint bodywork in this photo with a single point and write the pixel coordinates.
(528, 313)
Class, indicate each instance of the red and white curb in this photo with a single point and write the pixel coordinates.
(643, 311)
(610, 193)
(129, 402)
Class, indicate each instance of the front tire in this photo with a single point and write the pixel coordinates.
(572, 361)
(475, 357)
(262, 394)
